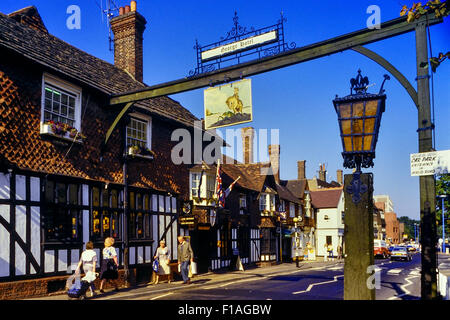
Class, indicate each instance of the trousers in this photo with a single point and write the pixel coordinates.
(185, 270)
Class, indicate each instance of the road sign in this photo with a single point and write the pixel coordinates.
(430, 163)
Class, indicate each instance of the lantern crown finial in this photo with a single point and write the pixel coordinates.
(359, 84)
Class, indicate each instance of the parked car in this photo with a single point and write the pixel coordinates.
(401, 253)
(380, 249)
(411, 248)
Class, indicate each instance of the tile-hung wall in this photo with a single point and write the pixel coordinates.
(21, 252)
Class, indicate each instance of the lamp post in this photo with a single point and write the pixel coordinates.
(359, 115)
(296, 242)
(443, 197)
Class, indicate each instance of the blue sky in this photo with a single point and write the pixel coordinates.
(296, 100)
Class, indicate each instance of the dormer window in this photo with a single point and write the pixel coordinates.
(61, 108)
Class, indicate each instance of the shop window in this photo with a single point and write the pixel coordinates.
(106, 213)
(62, 212)
(140, 216)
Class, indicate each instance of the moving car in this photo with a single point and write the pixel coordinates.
(380, 249)
(411, 248)
(401, 253)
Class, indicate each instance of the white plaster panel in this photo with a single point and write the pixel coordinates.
(49, 261)
(62, 260)
(35, 189)
(21, 261)
(4, 251)
(5, 190)
(21, 222)
(161, 203)
(20, 187)
(35, 230)
(140, 255)
(4, 212)
(174, 205)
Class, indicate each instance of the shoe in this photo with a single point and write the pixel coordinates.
(188, 282)
(102, 291)
(116, 289)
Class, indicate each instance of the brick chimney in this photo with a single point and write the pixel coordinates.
(248, 137)
(128, 29)
(322, 172)
(274, 156)
(301, 169)
(340, 177)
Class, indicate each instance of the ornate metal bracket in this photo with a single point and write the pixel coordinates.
(356, 187)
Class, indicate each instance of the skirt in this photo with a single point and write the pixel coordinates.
(108, 270)
(164, 267)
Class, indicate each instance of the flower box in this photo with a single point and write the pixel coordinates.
(57, 131)
(139, 152)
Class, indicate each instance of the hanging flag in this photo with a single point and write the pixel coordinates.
(219, 191)
(200, 185)
(227, 192)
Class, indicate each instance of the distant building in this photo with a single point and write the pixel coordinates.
(388, 204)
(392, 228)
(329, 207)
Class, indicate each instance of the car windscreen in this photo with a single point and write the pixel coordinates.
(399, 249)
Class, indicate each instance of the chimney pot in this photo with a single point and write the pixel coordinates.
(127, 9)
(121, 11)
(274, 156)
(133, 6)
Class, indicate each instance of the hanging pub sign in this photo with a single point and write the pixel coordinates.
(228, 105)
(241, 45)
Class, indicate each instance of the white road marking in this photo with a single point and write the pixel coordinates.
(336, 268)
(318, 284)
(414, 273)
(161, 296)
(395, 271)
(403, 287)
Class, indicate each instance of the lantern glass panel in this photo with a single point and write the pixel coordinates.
(371, 108)
(358, 109)
(357, 127)
(348, 144)
(369, 125)
(368, 142)
(346, 126)
(357, 143)
(345, 110)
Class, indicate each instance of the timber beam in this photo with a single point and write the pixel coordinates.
(348, 41)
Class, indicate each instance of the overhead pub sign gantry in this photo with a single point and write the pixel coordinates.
(205, 75)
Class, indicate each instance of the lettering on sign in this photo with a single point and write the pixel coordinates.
(430, 163)
(240, 45)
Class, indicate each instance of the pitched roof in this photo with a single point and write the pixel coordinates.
(285, 194)
(252, 175)
(326, 198)
(296, 187)
(57, 55)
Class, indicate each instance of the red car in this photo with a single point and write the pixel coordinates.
(380, 249)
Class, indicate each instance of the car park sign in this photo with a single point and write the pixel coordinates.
(430, 163)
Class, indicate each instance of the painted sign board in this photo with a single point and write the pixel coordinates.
(430, 163)
(241, 45)
(228, 105)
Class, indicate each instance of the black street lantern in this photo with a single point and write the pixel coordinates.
(359, 116)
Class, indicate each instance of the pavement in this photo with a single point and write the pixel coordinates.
(207, 279)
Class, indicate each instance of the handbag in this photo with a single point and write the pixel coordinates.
(155, 265)
(193, 267)
(111, 265)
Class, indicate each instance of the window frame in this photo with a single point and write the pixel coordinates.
(58, 83)
(142, 118)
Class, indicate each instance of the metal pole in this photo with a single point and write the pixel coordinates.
(443, 225)
(427, 183)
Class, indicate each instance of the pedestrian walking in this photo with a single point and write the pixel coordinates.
(339, 252)
(330, 252)
(185, 256)
(89, 262)
(110, 265)
(163, 257)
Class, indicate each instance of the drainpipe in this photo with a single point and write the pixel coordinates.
(125, 206)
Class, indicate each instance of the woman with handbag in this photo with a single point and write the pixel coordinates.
(109, 265)
(162, 256)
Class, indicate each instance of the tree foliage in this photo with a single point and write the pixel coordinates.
(443, 188)
(440, 9)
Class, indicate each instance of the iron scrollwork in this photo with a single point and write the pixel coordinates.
(238, 33)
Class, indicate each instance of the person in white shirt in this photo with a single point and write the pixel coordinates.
(89, 261)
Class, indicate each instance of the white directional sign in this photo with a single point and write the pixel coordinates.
(430, 163)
